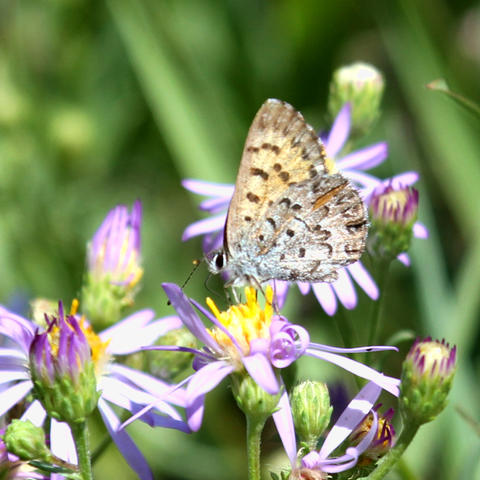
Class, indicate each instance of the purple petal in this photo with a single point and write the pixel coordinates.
(339, 132)
(215, 205)
(12, 375)
(420, 230)
(325, 296)
(370, 348)
(351, 417)
(260, 369)
(12, 395)
(389, 384)
(187, 314)
(195, 413)
(365, 181)
(344, 289)
(127, 327)
(281, 290)
(206, 379)
(404, 258)
(125, 444)
(209, 189)
(402, 180)
(286, 430)
(364, 159)
(361, 275)
(18, 329)
(207, 225)
(304, 287)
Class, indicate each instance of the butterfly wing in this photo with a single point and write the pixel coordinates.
(283, 186)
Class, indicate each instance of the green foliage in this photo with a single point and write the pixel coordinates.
(103, 103)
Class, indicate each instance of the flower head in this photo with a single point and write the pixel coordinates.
(116, 383)
(62, 369)
(249, 339)
(427, 377)
(114, 265)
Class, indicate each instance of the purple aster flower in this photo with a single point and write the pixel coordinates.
(249, 339)
(352, 166)
(116, 384)
(318, 464)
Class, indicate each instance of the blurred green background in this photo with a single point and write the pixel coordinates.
(105, 102)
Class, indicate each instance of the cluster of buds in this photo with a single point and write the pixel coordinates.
(393, 212)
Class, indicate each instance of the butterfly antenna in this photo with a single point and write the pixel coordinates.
(196, 263)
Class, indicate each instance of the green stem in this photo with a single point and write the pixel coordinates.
(344, 328)
(80, 435)
(377, 308)
(393, 456)
(254, 433)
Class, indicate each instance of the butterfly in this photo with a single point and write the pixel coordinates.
(292, 216)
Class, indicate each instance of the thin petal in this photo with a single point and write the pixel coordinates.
(206, 379)
(12, 395)
(195, 413)
(355, 412)
(286, 430)
(370, 348)
(340, 130)
(260, 369)
(325, 296)
(187, 314)
(365, 158)
(127, 327)
(362, 276)
(389, 384)
(404, 179)
(364, 180)
(210, 189)
(201, 227)
(344, 289)
(125, 444)
(304, 287)
(214, 205)
(420, 230)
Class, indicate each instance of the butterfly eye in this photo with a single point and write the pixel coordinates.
(219, 261)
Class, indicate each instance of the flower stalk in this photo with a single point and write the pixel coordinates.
(255, 426)
(80, 436)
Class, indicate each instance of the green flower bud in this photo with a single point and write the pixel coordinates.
(427, 377)
(311, 410)
(252, 399)
(361, 85)
(26, 441)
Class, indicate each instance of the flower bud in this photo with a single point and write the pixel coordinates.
(26, 441)
(252, 399)
(382, 442)
(393, 211)
(311, 410)
(427, 376)
(114, 266)
(62, 370)
(361, 85)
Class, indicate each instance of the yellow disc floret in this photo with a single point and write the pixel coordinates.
(245, 322)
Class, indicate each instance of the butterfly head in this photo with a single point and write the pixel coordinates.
(217, 261)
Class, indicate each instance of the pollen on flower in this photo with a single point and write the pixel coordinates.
(245, 322)
(97, 347)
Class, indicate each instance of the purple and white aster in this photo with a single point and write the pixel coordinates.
(116, 383)
(319, 464)
(352, 166)
(250, 339)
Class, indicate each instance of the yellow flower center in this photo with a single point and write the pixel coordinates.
(393, 201)
(245, 322)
